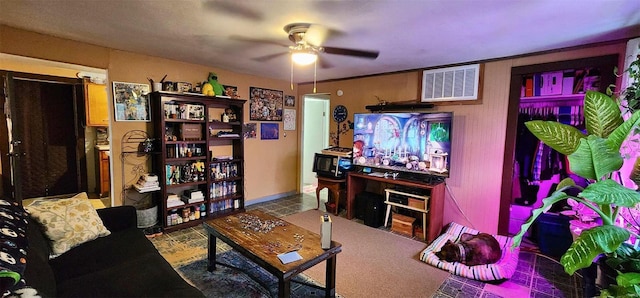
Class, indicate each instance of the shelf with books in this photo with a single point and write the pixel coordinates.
(184, 124)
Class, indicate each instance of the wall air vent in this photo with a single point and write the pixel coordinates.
(460, 83)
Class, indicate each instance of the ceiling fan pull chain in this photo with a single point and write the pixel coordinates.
(291, 74)
(315, 68)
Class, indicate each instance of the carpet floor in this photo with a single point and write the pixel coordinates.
(255, 282)
(366, 252)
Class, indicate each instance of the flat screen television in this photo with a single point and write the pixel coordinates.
(416, 143)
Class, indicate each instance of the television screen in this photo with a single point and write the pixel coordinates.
(408, 142)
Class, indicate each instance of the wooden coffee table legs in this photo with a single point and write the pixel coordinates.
(284, 288)
(211, 253)
(330, 287)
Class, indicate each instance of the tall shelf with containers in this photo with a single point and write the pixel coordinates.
(201, 157)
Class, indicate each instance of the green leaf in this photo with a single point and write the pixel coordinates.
(635, 173)
(566, 182)
(594, 158)
(628, 279)
(618, 291)
(561, 137)
(546, 204)
(610, 192)
(618, 136)
(591, 243)
(602, 114)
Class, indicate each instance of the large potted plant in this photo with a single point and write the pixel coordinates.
(594, 156)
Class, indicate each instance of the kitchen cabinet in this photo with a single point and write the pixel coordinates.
(96, 105)
(103, 182)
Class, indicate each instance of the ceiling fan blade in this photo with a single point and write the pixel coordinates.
(233, 8)
(352, 52)
(269, 57)
(258, 40)
(324, 63)
(316, 35)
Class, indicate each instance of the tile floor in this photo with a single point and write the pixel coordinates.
(536, 275)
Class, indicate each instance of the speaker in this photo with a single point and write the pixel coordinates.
(370, 208)
(360, 203)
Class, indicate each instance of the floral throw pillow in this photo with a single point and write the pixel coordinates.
(67, 222)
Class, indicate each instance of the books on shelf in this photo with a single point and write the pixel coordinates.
(147, 183)
(173, 200)
(192, 196)
(141, 189)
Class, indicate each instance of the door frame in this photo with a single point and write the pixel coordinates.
(14, 149)
(605, 63)
(304, 141)
(47, 67)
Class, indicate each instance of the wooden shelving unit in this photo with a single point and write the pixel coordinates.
(198, 152)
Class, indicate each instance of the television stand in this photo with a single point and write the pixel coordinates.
(356, 183)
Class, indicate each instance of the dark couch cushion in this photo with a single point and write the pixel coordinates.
(118, 218)
(102, 253)
(39, 275)
(143, 276)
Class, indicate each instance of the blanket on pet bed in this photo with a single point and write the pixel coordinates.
(503, 269)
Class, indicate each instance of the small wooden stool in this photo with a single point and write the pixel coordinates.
(334, 186)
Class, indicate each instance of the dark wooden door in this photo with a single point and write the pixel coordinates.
(46, 142)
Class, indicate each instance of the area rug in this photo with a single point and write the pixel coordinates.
(249, 281)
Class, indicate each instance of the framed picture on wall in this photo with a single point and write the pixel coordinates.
(269, 131)
(131, 101)
(265, 104)
(289, 101)
(289, 119)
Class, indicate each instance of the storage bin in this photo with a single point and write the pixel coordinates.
(147, 217)
(402, 224)
(553, 234)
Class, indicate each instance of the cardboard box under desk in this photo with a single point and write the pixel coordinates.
(402, 224)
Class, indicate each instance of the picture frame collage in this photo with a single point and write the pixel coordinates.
(268, 105)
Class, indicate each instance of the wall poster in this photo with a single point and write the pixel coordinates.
(265, 104)
(289, 119)
(131, 101)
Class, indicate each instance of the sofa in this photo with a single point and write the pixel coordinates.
(122, 264)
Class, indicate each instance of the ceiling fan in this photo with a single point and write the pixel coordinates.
(308, 42)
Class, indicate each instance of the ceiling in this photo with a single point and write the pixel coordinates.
(409, 34)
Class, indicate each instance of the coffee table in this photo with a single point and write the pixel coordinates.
(262, 245)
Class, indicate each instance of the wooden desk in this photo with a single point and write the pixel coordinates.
(255, 246)
(356, 183)
(334, 186)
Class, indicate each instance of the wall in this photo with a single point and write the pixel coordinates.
(478, 130)
(271, 166)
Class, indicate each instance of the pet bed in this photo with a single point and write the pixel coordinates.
(501, 270)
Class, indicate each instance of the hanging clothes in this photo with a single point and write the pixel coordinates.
(536, 161)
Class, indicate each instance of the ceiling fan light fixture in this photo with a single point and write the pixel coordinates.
(304, 57)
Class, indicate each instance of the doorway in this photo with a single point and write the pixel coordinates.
(315, 136)
(46, 140)
(514, 208)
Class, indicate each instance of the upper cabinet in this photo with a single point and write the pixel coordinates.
(97, 108)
